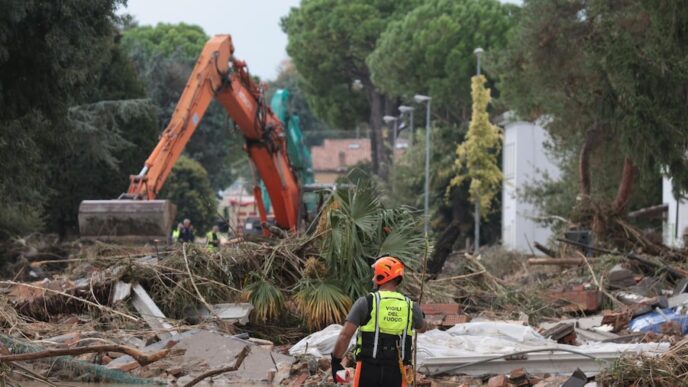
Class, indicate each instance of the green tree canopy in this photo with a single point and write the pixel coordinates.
(329, 42)
(111, 139)
(165, 39)
(48, 62)
(476, 157)
(189, 188)
(611, 76)
(430, 51)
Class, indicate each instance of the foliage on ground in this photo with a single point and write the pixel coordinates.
(665, 370)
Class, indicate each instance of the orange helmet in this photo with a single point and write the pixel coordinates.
(387, 268)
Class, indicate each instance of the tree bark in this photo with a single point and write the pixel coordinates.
(625, 186)
(387, 139)
(375, 123)
(142, 358)
(584, 163)
(443, 247)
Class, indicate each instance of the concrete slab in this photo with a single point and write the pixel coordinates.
(234, 312)
(120, 292)
(124, 361)
(681, 299)
(150, 312)
(217, 350)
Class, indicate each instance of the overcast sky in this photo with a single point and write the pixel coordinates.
(253, 24)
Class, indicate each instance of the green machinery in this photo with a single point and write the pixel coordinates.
(299, 155)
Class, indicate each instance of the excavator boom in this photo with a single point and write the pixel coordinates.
(217, 74)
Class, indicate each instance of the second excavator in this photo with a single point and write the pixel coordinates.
(138, 214)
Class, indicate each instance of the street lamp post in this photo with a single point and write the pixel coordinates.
(425, 99)
(409, 109)
(395, 120)
(478, 51)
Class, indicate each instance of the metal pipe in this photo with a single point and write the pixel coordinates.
(144, 170)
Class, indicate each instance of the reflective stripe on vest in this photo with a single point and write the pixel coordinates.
(393, 319)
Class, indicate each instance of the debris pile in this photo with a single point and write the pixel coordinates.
(183, 314)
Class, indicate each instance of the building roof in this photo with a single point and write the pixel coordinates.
(340, 154)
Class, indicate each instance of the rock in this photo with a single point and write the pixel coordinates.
(175, 371)
(498, 381)
(552, 381)
(324, 363)
(518, 377)
(620, 278)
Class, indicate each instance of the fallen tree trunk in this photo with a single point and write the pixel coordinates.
(86, 372)
(140, 357)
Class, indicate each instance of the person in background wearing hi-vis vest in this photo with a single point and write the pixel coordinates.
(387, 321)
(176, 232)
(213, 237)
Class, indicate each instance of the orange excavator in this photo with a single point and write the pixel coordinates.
(217, 74)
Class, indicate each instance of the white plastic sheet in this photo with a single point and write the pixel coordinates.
(319, 344)
(471, 339)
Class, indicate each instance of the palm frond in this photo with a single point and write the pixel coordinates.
(361, 228)
(321, 302)
(267, 300)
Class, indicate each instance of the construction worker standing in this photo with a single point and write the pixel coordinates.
(213, 237)
(186, 234)
(177, 232)
(386, 322)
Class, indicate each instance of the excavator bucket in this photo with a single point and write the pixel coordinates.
(126, 220)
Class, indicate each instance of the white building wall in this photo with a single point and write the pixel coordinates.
(677, 216)
(524, 161)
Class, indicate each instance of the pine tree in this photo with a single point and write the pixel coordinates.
(476, 157)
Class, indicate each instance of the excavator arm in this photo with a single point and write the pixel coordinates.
(217, 74)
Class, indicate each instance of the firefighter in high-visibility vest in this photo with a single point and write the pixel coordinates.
(386, 321)
(177, 232)
(213, 238)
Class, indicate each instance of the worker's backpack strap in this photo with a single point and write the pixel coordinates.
(370, 298)
(408, 322)
(377, 324)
